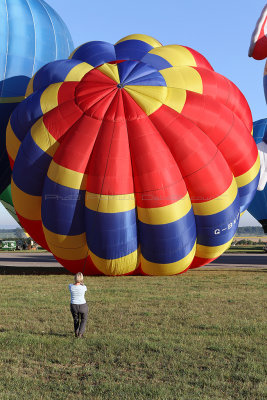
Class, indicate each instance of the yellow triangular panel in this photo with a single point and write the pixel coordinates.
(175, 55)
(175, 99)
(111, 70)
(184, 78)
(78, 72)
(149, 98)
(144, 38)
(49, 98)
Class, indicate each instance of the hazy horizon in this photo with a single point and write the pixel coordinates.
(7, 220)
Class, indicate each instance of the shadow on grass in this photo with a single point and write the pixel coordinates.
(244, 268)
(24, 257)
(34, 271)
(243, 259)
(62, 271)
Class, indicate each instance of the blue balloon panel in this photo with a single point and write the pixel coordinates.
(258, 206)
(31, 35)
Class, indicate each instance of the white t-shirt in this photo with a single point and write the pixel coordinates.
(77, 293)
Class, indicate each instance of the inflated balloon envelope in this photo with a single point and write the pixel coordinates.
(132, 158)
(258, 50)
(258, 44)
(31, 35)
(258, 206)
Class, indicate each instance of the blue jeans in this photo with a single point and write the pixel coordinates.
(79, 313)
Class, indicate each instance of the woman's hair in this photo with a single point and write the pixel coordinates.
(78, 278)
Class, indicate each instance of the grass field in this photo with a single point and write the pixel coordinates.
(195, 336)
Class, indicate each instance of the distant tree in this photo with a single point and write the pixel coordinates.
(250, 231)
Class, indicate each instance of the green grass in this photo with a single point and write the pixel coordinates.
(246, 249)
(195, 336)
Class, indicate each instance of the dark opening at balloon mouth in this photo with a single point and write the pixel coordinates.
(120, 85)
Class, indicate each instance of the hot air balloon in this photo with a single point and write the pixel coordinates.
(258, 44)
(258, 206)
(132, 158)
(6, 200)
(258, 50)
(31, 35)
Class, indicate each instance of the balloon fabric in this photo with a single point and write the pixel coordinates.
(258, 44)
(31, 35)
(258, 206)
(6, 200)
(132, 158)
(258, 50)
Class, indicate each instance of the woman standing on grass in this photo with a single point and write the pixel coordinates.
(78, 305)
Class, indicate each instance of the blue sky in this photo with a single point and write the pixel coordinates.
(220, 30)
